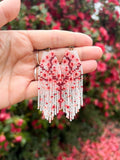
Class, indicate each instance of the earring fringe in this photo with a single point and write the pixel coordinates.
(60, 86)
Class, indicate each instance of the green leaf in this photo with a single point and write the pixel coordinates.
(9, 121)
(6, 129)
(23, 142)
(35, 8)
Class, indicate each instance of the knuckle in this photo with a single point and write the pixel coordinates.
(6, 14)
(55, 39)
(4, 42)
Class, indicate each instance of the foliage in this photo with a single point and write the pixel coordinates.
(23, 132)
(22, 127)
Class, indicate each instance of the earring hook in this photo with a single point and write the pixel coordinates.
(47, 49)
(71, 47)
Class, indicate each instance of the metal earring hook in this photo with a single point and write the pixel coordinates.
(71, 47)
(47, 49)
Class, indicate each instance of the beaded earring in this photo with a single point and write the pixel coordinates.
(60, 86)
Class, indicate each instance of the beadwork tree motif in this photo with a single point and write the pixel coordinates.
(60, 86)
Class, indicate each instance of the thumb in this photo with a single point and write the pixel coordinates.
(9, 10)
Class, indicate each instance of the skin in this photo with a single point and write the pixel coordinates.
(18, 56)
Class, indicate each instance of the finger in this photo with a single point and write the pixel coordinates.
(85, 53)
(9, 10)
(90, 53)
(32, 90)
(58, 39)
(89, 66)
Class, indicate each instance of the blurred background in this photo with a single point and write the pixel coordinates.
(95, 132)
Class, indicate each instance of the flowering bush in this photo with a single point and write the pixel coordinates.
(107, 147)
(23, 132)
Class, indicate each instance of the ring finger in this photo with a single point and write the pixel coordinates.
(85, 53)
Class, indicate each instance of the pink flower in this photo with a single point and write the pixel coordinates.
(118, 98)
(62, 3)
(108, 80)
(61, 156)
(75, 151)
(36, 124)
(14, 129)
(48, 18)
(18, 138)
(36, 154)
(70, 158)
(30, 104)
(86, 24)
(96, 102)
(5, 146)
(115, 75)
(101, 45)
(27, 3)
(117, 45)
(2, 138)
(112, 99)
(107, 56)
(60, 126)
(31, 17)
(3, 110)
(107, 147)
(95, 1)
(72, 17)
(116, 2)
(112, 40)
(107, 106)
(81, 15)
(115, 56)
(59, 115)
(117, 14)
(118, 62)
(104, 94)
(102, 67)
(87, 100)
(106, 114)
(104, 33)
(19, 122)
(100, 104)
(57, 26)
(4, 116)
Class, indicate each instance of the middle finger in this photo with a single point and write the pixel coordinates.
(85, 53)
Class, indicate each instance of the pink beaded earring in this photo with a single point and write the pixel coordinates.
(60, 86)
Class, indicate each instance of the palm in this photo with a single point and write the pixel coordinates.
(18, 59)
(17, 67)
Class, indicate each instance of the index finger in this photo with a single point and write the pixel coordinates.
(58, 39)
(9, 9)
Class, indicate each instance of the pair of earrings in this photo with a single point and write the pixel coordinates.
(60, 86)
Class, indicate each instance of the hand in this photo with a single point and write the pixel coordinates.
(18, 59)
